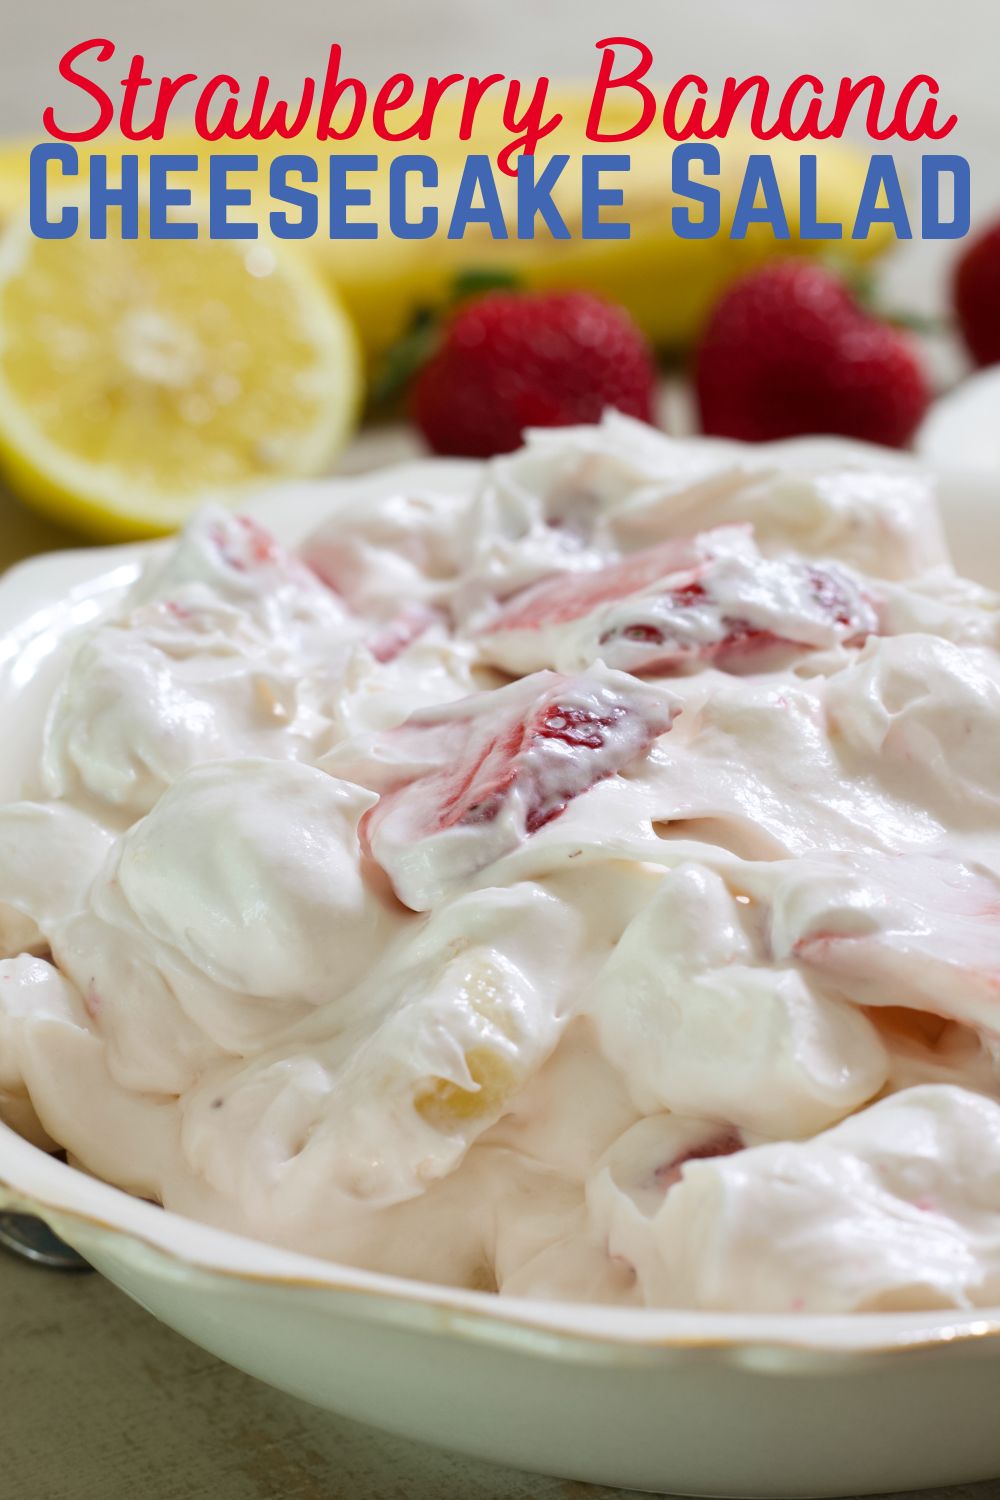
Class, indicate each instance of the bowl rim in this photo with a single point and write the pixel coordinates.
(96, 1215)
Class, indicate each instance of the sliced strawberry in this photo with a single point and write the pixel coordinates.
(533, 754)
(466, 783)
(920, 932)
(570, 596)
(244, 544)
(725, 1143)
(401, 631)
(710, 600)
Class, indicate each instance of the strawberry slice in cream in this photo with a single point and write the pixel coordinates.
(684, 604)
(465, 784)
(572, 876)
(921, 931)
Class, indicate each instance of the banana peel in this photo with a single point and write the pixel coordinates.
(668, 284)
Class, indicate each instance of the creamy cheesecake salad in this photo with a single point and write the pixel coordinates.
(576, 876)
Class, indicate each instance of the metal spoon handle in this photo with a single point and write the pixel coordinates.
(31, 1238)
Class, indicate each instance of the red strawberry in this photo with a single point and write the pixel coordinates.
(513, 360)
(467, 782)
(977, 296)
(401, 631)
(725, 1142)
(243, 544)
(789, 351)
(924, 936)
(711, 598)
(569, 596)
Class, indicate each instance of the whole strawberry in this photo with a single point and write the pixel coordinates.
(789, 351)
(513, 360)
(977, 296)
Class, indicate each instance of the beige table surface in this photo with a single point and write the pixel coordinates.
(98, 1401)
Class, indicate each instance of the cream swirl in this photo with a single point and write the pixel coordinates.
(575, 876)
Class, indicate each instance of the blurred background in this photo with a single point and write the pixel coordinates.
(956, 42)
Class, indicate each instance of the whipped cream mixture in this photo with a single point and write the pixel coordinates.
(580, 879)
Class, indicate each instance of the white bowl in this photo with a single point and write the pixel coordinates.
(962, 427)
(680, 1402)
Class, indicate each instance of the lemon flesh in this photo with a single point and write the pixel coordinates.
(141, 377)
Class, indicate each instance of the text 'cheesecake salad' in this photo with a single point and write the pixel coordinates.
(577, 875)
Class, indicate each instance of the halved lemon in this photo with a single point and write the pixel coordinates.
(141, 377)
